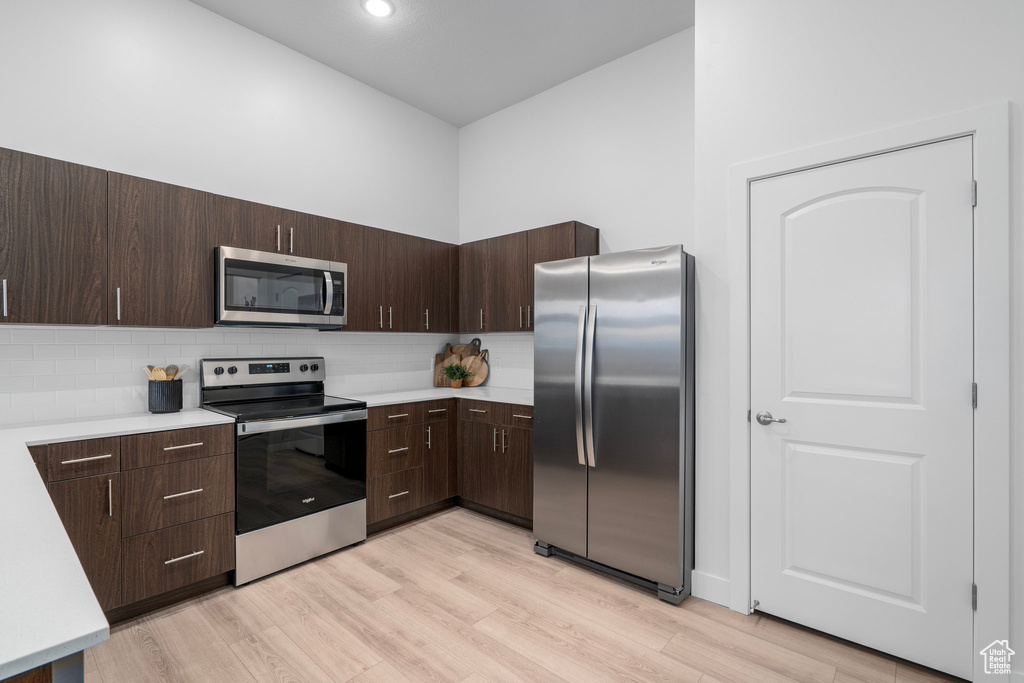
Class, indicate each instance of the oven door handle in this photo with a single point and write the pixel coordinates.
(299, 422)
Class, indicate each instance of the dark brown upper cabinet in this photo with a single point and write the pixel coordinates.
(53, 245)
(496, 275)
(418, 284)
(284, 231)
(160, 249)
(362, 249)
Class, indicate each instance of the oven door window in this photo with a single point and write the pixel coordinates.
(290, 473)
(271, 288)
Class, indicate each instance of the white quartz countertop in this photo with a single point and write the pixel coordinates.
(496, 394)
(47, 607)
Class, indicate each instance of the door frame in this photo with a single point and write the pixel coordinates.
(989, 126)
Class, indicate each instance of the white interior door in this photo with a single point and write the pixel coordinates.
(861, 277)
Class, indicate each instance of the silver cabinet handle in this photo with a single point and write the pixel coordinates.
(578, 384)
(765, 418)
(398, 450)
(279, 238)
(427, 311)
(438, 410)
(494, 447)
(503, 440)
(94, 457)
(110, 497)
(392, 417)
(184, 557)
(520, 317)
(391, 319)
(476, 410)
(183, 493)
(381, 310)
(525, 417)
(398, 495)
(291, 240)
(118, 303)
(588, 388)
(428, 437)
(187, 445)
(5, 298)
(529, 317)
(481, 318)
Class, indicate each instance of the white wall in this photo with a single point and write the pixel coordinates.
(773, 77)
(612, 148)
(167, 90)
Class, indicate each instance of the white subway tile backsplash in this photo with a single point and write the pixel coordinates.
(148, 337)
(177, 337)
(131, 350)
(95, 351)
(35, 367)
(16, 351)
(114, 337)
(53, 382)
(31, 336)
(65, 412)
(74, 335)
(56, 351)
(165, 351)
(95, 409)
(5, 368)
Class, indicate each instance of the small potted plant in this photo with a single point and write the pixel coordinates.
(456, 374)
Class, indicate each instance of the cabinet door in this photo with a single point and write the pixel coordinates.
(506, 257)
(362, 249)
(438, 284)
(160, 254)
(475, 284)
(517, 482)
(405, 291)
(553, 243)
(435, 461)
(91, 511)
(53, 242)
(479, 466)
(284, 231)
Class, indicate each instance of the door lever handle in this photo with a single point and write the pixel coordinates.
(765, 418)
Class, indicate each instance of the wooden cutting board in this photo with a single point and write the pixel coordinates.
(466, 350)
(478, 366)
(441, 361)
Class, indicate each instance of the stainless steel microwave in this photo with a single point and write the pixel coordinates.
(264, 289)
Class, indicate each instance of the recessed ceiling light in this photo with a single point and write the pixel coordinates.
(378, 8)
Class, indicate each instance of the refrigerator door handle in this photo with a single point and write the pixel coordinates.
(580, 330)
(588, 389)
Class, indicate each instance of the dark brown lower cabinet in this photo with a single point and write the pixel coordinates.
(496, 460)
(436, 456)
(479, 469)
(393, 494)
(517, 491)
(90, 509)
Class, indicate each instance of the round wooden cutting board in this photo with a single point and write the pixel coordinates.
(478, 366)
(464, 350)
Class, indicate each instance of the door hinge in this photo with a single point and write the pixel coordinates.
(974, 597)
(974, 394)
(974, 193)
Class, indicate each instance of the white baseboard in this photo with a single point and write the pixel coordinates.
(711, 588)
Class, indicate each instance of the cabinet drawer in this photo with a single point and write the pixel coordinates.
(393, 450)
(167, 495)
(397, 415)
(483, 411)
(177, 445)
(160, 561)
(437, 410)
(520, 416)
(393, 494)
(83, 458)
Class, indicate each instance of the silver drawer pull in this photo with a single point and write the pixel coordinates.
(187, 445)
(475, 410)
(392, 417)
(183, 493)
(398, 450)
(95, 457)
(396, 495)
(438, 410)
(184, 557)
(525, 417)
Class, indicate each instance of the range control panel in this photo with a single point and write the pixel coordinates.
(228, 372)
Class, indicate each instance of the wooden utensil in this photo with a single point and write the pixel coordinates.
(466, 350)
(441, 361)
(182, 371)
(478, 366)
(158, 375)
(145, 370)
(172, 372)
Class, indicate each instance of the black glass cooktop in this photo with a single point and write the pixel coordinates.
(281, 408)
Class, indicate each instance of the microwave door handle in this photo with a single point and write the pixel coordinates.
(328, 292)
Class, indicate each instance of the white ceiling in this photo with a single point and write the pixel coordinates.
(461, 60)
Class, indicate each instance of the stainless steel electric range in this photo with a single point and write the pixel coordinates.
(300, 460)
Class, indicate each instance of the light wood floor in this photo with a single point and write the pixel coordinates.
(461, 597)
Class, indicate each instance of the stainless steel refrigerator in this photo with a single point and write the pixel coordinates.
(613, 432)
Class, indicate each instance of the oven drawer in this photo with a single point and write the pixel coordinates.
(393, 494)
(161, 561)
(520, 416)
(483, 411)
(398, 415)
(438, 410)
(75, 459)
(393, 450)
(167, 495)
(176, 445)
